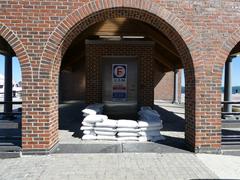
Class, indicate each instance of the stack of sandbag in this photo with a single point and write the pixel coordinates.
(106, 130)
(88, 125)
(93, 109)
(127, 130)
(149, 125)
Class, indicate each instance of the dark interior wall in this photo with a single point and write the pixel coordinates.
(72, 84)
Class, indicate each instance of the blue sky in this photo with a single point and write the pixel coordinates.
(17, 75)
(235, 73)
(17, 70)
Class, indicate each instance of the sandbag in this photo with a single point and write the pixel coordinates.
(149, 115)
(127, 138)
(149, 133)
(89, 132)
(84, 114)
(127, 124)
(104, 129)
(87, 124)
(95, 118)
(87, 112)
(89, 137)
(144, 124)
(86, 128)
(93, 109)
(151, 128)
(128, 130)
(127, 134)
(107, 123)
(110, 138)
(105, 133)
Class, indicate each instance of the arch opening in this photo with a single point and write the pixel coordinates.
(230, 98)
(10, 96)
(94, 34)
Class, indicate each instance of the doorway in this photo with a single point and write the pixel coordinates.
(120, 86)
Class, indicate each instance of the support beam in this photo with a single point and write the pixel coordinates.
(163, 60)
(175, 92)
(228, 85)
(8, 84)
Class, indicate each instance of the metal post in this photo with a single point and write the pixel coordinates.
(8, 84)
(175, 93)
(228, 85)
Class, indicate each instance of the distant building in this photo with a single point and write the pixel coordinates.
(17, 89)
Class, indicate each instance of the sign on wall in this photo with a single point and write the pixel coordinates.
(119, 82)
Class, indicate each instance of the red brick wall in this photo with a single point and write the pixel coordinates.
(40, 32)
(165, 87)
(95, 50)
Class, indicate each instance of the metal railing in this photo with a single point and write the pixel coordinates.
(230, 113)
(12, 103)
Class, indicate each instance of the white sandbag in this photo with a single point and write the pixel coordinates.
(143, 138)
(128, 130)
(86, 128)
(104, 129)
(84, 114)
(127, 138)
(149, 115)
(151, 128)
(127, 124)
(89, 137)
(109, 138)
(87, 112)
(87, 124)
(144, 124)
(93, 109)
(149, 133)
(128, 134)
(95, 118)
(107, 123)
(89, 132)
(105, 133)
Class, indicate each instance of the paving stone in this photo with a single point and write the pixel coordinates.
(106, 166)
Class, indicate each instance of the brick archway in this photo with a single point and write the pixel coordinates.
(226, 47)
(18, 48)
(223, 52)
(25, 65)
(221, 57)
(93, 12)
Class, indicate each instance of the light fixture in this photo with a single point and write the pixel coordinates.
(111, 37)
(235, 55)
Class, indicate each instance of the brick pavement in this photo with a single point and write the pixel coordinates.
(106, 167)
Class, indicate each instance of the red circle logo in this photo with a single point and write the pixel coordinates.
(119, 71)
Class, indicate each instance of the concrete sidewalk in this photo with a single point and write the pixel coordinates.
(225, 167)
